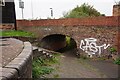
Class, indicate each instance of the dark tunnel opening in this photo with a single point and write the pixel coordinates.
(58, 42)
(70, 45)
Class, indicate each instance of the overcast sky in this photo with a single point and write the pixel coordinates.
(41, 8)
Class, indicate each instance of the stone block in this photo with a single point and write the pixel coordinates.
(9, 73)
(19, 64)
(3, 78)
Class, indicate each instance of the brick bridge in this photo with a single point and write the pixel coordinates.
(104, 29)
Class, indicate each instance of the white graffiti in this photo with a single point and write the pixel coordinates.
(89, 46)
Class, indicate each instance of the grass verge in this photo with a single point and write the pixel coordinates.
(42, 66)
(16, 33)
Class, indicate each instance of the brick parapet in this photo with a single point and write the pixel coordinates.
(91, 21)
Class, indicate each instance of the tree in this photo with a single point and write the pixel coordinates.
(84, 10)
(117, 3)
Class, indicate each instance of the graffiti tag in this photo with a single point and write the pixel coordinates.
(89, 46)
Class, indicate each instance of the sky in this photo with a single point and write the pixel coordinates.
(40, 9)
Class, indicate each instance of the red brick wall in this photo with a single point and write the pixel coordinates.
(99, 21)
(119, 41)
(9, 26)
(105, 29)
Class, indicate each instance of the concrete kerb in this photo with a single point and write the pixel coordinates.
(17, 67)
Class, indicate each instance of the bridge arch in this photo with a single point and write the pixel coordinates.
(58, 42)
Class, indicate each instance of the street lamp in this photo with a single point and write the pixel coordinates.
(51, 12)
(32, 9)
(21, 5)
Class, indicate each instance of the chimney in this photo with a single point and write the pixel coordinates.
(116, 9)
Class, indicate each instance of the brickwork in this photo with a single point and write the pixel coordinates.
(119, 36)
(104, 34)
(7, 26)
(116, 10)
(104, 29)
(93, 21)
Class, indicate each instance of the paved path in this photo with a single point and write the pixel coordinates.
(107, 67)
(70, 67)
(9, 49)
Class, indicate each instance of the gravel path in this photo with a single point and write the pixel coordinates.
(70, 67)
(110, 69)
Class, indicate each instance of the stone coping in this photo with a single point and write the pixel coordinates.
(17, 66)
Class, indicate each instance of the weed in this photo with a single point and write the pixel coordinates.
(117, 61)
(56, 76)
(42, 66)
(112, 50)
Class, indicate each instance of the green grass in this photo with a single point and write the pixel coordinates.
(17, 33)
(40, 67)
(43, 66)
